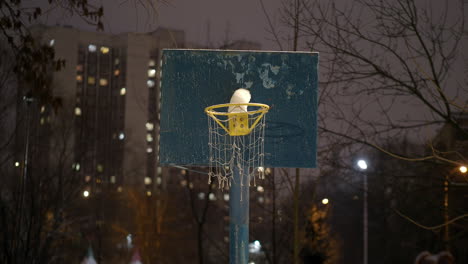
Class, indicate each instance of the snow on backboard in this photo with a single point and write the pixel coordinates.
(192, 80)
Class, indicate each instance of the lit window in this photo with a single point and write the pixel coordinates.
(42, 121)
(43, 109)
(79, 67)
(261, 199)
(77, 111)
(150, 83)
(151, 73)
(158, 180)
(267, 171)
(92, 48)
(98, 181)
(212, 197)
(123, 91)
(149, 150)
(91, 80)
(119, 189)
(86, 194)
(159, 170)
(79, 78)
(183, 172)
(226, 197)
(151, 63)
(149, 126)
(76, 166)
(149, 138)
(17, 164)
(117, 72)
(100, 168)
(121, 136)
(148, 180)
(112, 179)
(116, 61)
(260, 189)
(183, 183)
(52, 42)
(201, 196)
(103, 82)
(148, 193)
(104, 50)
(87, 178)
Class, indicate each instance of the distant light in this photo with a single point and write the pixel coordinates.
(255, 247)
(104, 50)
(267, 171)
(463, 169)
(100, 168)
(86, 193)
(212, 197)
(123, 91)
(112, 179)
(103, 82)
(362, 164)
(148, 180)
(261, 199)
(52, 42)
(151, 63)
(43, 109)
(119, 189)
(92, 48)
(149, 137)
(17, 164)
(77, 111)
(261, 169)
(150, 83)
(158, 180)
(226, 197)
(149, 150)
(149, 126)
(117, 72)
(148, 193)
(151, 73)
(121, 136)
(260, 189)
(91, 80)
(87, 178)
(116, 61)
(42, 121)
(201, 196)
(324, 201)
(76, 166)
(79, 78)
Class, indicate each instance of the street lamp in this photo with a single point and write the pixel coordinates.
(463, 169)
(325, 201)
(362, 164)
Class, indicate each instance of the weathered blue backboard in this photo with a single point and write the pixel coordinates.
(195, 79)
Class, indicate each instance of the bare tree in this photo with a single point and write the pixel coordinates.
(387, 68)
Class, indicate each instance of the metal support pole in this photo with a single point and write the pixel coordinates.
(365, 231)
(239, 217)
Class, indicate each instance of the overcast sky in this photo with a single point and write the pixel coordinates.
(241, 19)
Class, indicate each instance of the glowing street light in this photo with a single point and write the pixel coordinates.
(463, 169)
(362, 164)
(324, 201)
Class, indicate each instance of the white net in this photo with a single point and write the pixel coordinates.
(246, 153)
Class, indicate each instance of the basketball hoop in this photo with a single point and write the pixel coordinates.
(236, 140)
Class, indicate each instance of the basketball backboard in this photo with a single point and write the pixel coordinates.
(192, 80)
